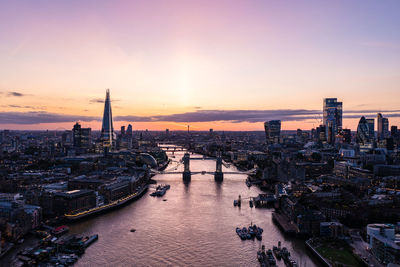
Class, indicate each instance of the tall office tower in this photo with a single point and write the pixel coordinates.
(129, 130)
(321, 133)
(67, 138)
(379, 118)
(393, 131)
(364, 134)
(371, 128)
(107, 129)
(122, 130)
(383, 126)
(332, 115)
(82, 137)
(272, 130)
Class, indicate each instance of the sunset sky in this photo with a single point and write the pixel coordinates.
(227, 65)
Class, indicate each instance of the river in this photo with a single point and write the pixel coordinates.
(194, 227)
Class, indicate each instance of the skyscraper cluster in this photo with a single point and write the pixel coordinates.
(125, 137)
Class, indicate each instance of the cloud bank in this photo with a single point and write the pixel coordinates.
(35, 117)
(236, 116)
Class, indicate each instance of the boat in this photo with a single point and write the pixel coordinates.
(161, 193)
(160, 190)
(133, 230)
(235, 203)
(203, 172)
(89, 240)
(238, 231)
(270, 258)
(167, 186)
(60, 230)
(277, 252)
(241, 234)
(251, 203)
(261, 256)
(246, 233)
(248, 183)
(287, 258)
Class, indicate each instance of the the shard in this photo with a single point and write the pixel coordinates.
(107, 129)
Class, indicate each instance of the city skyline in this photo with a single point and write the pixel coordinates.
(210, 65)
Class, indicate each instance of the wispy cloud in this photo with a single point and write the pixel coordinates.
(36, 117)
(24, 107)
(100, 100)
(13, 93)
(96, 100)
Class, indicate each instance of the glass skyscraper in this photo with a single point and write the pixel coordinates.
(107, 129)
(82, 137)
(364, 133)
(383, 126)
(272, 130)
(332, 117)
(371, 128)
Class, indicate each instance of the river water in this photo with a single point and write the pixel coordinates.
(194, 227)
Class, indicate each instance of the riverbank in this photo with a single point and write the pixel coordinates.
(315, 252)
(107, 207)
(284, 223)
(333, 252)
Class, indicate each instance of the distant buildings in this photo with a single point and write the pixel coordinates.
(371, 128)
(344, 136)
(129, 130)
(107, 129)
(332, 118)
(364, 132)
(82, 137)
(331, 230)
(124, 140)
(272, 130)
(383, 126)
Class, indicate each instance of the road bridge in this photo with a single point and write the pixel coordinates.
(187, 174)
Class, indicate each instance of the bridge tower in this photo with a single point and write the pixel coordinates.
(187, 175)
(219, 175)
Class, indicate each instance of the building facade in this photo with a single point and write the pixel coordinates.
(272, 130)
(332, 117)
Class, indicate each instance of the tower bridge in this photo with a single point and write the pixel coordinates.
(187, 174)
(218, 174)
